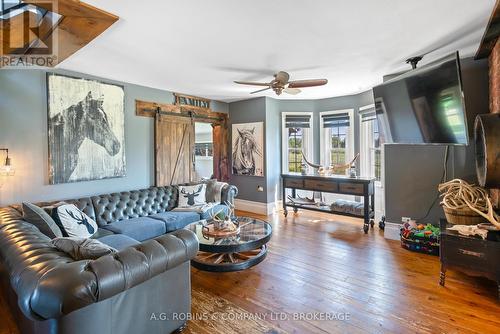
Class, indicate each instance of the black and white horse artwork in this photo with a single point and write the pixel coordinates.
(247, 152)
(85, 120)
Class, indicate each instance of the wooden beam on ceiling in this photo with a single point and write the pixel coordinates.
(491, 34)
(80, 24)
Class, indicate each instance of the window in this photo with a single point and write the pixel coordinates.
(203, 149)
(371, 158)
(337, 137)
(297, 138)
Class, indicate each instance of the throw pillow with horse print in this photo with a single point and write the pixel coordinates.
(247, 144)
(192, 195)
(85, 128)
(73, 222)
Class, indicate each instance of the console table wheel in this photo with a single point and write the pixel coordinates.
(285, 212)
(381, 223)
(366, 227)
(372, 223)
(295, 210)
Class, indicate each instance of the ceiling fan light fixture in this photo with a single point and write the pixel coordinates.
(281, 83)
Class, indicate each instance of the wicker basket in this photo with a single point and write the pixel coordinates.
(462, 216)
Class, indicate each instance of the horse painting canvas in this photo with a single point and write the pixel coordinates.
(85, 128)
(247, 144)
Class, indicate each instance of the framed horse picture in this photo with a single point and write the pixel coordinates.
(248, 152)
(85, 129)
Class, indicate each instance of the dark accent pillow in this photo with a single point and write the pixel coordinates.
(83, 248)
(73, 222)
(49, 208)
(37, 216)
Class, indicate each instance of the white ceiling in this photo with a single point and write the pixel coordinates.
(199, 47)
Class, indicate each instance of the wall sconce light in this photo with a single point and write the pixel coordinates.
(6, 168)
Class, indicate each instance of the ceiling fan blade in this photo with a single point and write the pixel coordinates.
(307, 83)
(260, 90)
(252, 83)
(292, 91)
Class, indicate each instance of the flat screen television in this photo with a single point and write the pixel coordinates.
(424, 105)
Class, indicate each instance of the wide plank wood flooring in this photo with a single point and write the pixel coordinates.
(326, 264)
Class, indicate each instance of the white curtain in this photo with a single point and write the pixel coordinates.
(366, 144)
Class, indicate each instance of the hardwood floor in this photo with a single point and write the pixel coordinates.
(326, 264)
(323, 263)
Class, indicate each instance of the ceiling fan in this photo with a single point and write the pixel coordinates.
(281, 83)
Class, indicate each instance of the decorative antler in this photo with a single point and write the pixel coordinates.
(309, 163)
(340, 166)
(230, 209)
(347, 165)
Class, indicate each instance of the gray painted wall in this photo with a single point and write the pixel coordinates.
(269, 110)
(23, 129)
(273, 150)
(412, 172)
(247, 111)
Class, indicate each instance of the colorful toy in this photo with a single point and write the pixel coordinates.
(420, 238)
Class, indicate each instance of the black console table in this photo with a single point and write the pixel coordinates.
(357, 186)
(471, 255)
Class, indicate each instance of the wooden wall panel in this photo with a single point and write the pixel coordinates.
(174, 150)
(221, 152)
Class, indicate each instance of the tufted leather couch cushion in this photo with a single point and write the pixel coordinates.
(114, 207)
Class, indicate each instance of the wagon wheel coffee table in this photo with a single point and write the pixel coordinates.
(235, 252)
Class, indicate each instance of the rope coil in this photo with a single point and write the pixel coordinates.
(458, 194)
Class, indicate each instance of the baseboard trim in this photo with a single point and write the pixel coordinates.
(255, 207)
(391, 231)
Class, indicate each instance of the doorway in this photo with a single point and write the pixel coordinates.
(203, 150)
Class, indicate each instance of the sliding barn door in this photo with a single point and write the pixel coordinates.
(174, 150)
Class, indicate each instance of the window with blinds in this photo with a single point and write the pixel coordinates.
(336, 120)
(297, 137)
(336, 128)
(370, 142)
(298, 121)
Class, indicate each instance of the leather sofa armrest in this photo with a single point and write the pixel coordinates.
(74, 285)
(228, 193)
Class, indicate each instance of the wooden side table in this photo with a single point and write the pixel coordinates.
(471, 255)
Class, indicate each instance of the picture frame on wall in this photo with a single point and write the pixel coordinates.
(86, 132)
(248, 149)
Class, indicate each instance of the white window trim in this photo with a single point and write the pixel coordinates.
(284, 139)
(362, 147)
(322, 132)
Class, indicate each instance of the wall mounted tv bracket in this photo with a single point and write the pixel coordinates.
(414, 61)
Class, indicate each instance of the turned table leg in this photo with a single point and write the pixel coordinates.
(442, 275)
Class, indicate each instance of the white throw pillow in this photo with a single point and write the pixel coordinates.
(192, 195)
(73, 222)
